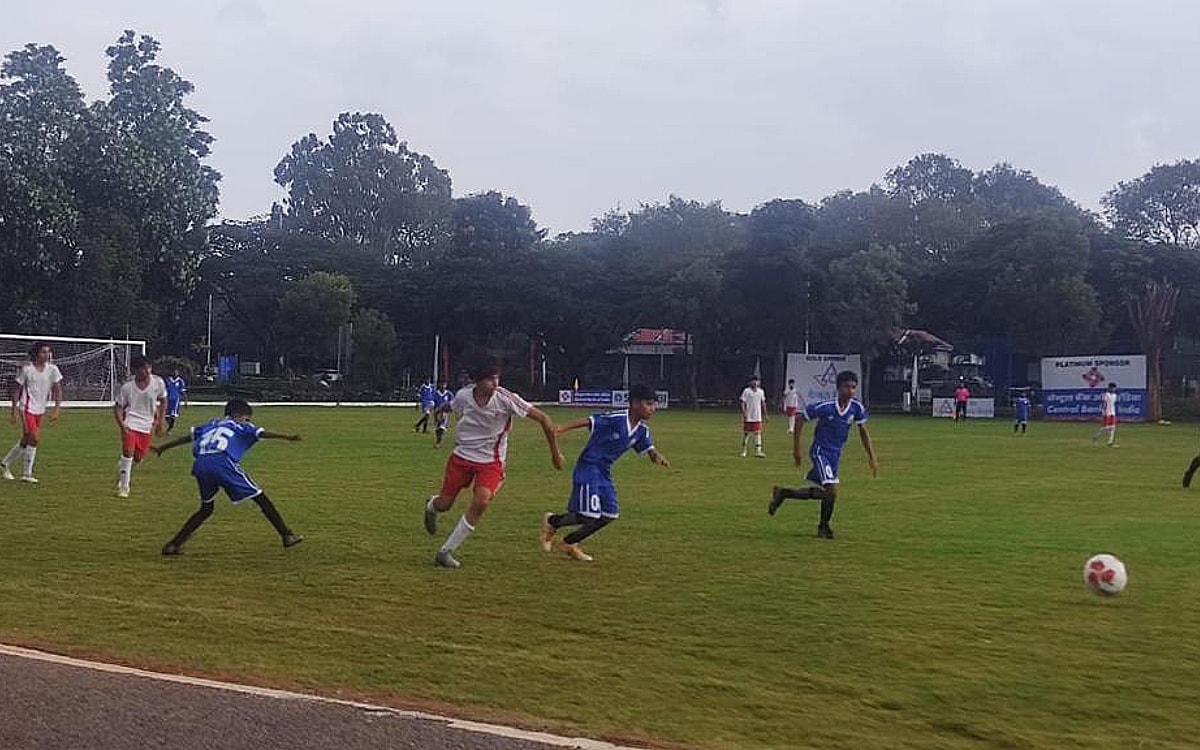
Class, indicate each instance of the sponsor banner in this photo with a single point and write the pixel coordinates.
(816, 374)
(1084, 403)
(1071, 386)
(977, 408)
(1073, 373)
(606, 397)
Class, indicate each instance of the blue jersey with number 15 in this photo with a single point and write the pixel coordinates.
(224, 436)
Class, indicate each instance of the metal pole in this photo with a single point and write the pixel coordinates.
(437, 348)
(208, 346)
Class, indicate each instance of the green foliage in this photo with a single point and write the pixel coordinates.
(948, 613)
(311, 311)
(1161, 206)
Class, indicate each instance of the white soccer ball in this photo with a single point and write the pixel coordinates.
(1105, 575)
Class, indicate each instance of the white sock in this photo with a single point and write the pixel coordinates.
(429, 504)
(30, 454)
(461, 531)
(745, 439)
(125, 469)
(758, 441)
(13, 452)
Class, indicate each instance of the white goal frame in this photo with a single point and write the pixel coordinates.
(118, 352)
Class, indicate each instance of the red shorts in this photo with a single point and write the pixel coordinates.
(32, 423)
(461, 473)
(136, 444)
(791, 411)
(751, 426)
(1110, 420)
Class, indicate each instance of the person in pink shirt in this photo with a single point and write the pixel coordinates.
(962, 394)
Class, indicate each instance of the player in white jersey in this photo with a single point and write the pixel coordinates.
(34, 385)
(754, 413)
(1108, 414)
(791, 405)
(485, 412)
(138, 410)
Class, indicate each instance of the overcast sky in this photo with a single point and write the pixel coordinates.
(576, 107)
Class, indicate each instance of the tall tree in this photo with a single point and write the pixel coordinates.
(41, 112)
(142, 158)
(1161, 206)
(868, 302)
(1153, 315)
(364, 184)
(311, 312)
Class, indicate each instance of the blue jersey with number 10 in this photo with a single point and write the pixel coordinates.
(224, 436)
(611, 437)
(833, 423)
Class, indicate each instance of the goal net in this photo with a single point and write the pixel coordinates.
(92, 369)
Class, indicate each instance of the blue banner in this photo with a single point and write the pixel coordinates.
(1084, 404)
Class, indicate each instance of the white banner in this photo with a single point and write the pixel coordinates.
(1071, 386)
(1070, 373)
(983, 408)
(816, 375)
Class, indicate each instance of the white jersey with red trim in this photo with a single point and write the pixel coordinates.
(481, 435)
(141, 404)
(36, 386)
(753, 400)
(1108, 404)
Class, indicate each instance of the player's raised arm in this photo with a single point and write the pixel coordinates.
(265, 435)
(161, 449)
(575, 425)
(869, 447)
(551, 433)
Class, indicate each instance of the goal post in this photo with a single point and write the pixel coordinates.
(93, 369)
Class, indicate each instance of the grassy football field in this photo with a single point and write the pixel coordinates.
(949, 612)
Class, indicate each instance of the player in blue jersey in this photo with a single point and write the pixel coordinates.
(218, 447)
(834, 419)
(593, 501)
(1021, 409)
(176, 394)
(441, 412)
(426, 399)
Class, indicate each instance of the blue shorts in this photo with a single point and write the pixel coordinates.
(594, 496)
(824, 466)
(214, 473)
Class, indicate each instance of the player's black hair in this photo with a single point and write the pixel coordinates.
(136, 362)
(485, 371)
(37, 347)
(641, 392)
(236, 407)
(846, 376)
(1112, 386)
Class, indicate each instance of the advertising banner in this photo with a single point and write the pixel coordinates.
(605, 397)
(816, 375)
(1071, 386)
(982, 408)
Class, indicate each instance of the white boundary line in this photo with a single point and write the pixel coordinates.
(469, 726)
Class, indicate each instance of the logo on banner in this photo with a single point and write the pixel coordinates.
(828, 377)
(1093, 377)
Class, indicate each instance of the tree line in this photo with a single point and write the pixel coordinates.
(107, 228)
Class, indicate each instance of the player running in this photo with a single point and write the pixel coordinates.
(138, 412)
(218, 447)
(32, 388)
(833, 419)
(593, 501)
(485, 412)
